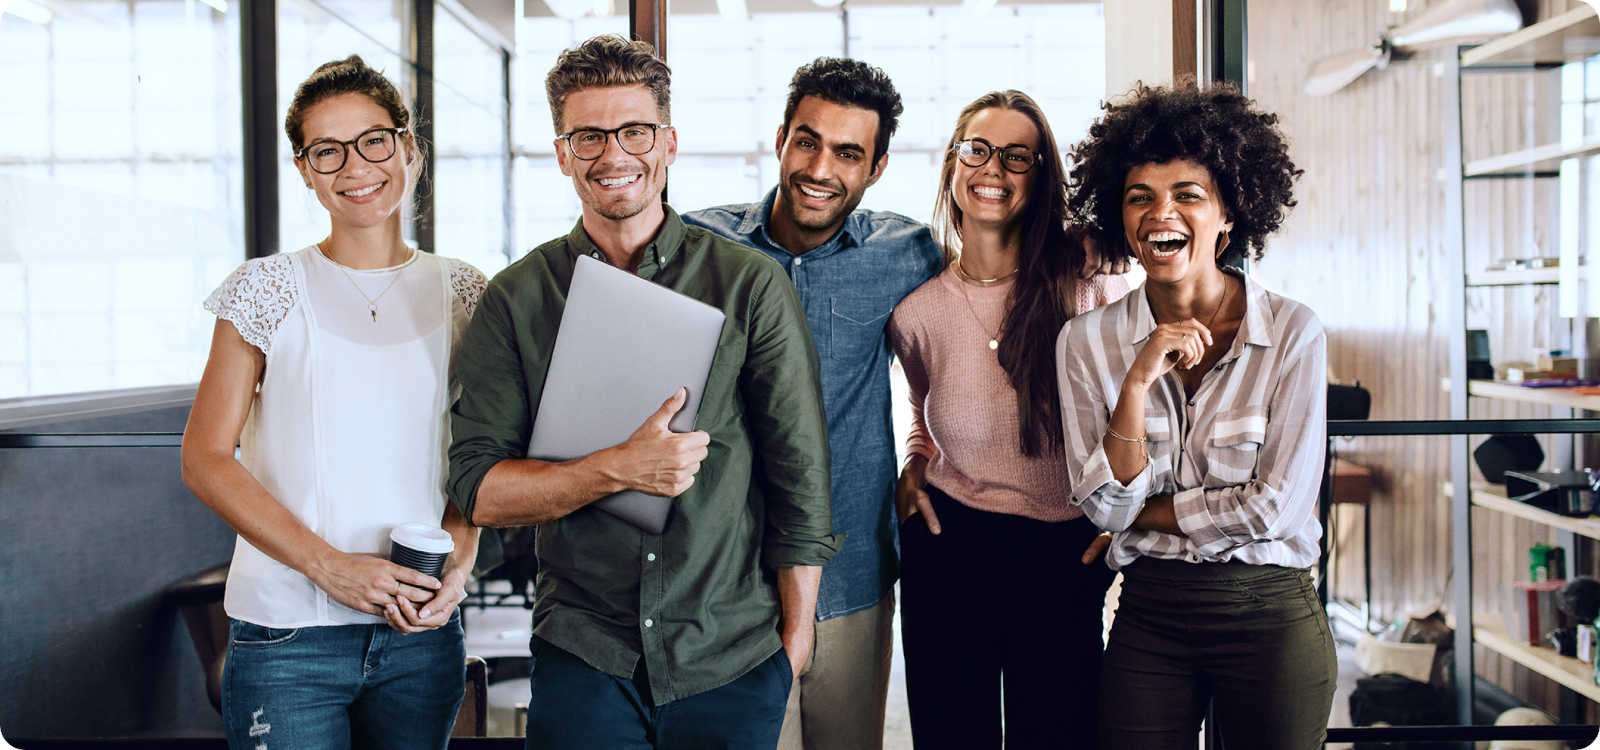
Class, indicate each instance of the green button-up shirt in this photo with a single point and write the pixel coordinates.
(698, 602)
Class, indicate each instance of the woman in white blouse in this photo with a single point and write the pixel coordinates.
(329, 369)
(1194, 416)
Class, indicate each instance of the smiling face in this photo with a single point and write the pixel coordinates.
(362, 193)
(1172, 216)
(990, 194)
(825, 164)
(618, 185)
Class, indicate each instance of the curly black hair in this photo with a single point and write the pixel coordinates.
(849, 82)
(1217, 127)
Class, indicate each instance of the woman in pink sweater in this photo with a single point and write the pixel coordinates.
(992, 590)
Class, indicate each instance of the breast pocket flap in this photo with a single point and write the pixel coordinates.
(1244, 428)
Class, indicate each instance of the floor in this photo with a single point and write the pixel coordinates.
(502, 632)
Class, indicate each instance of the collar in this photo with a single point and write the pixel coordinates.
(1254, 330)
(758, 216)
(663, 248)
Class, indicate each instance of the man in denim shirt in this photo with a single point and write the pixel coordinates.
(851, 267)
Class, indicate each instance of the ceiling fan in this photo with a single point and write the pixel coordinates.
(1451, 22)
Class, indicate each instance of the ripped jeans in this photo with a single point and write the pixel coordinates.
(343, 686)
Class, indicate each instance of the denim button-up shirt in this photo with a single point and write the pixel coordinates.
(848, 286)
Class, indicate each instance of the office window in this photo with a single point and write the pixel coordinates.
(310, 34)
(120, 191)
(544, 205)
(731, 65)
(469, 185)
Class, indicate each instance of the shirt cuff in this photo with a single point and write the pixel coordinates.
(789, 552)
(1111, 504)
(1197, 523)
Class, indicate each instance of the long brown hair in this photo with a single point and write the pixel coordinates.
(1049, 267)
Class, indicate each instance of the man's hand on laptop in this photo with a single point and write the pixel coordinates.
(657, 461)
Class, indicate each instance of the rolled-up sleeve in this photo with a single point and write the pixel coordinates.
(1085, 414)
(1282, 496)
(781, 385)
(489, 422)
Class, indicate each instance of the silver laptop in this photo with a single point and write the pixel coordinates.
(624, 346)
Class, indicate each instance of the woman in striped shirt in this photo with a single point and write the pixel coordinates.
(1194, 418)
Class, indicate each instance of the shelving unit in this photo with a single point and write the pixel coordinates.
(1516, 277)
(1563, 397)
(1566, 670)
(1538, 160)
(1572, 36)
(1493, 497)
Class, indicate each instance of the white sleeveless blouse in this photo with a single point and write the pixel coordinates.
(349, 426)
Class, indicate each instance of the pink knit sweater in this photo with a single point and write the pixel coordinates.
(963, 408)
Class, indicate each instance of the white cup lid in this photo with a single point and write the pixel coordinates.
(423, 538)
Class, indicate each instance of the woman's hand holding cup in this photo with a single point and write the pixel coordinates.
(370, 584)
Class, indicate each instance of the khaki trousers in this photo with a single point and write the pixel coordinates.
(837, 700)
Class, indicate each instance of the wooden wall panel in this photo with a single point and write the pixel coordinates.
(1367, 249)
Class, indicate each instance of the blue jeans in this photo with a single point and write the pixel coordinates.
(577, 707)
(342, 686)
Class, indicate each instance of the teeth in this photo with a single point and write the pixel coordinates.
(369, 190)
(1165, 237)
(612, 182)
(989, 192)
(815, 193)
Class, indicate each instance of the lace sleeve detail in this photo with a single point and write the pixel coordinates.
(256, 298)
(467, 283)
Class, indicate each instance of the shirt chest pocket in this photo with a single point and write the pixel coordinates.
(856, 328)
(1234, 445)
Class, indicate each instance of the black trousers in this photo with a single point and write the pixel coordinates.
(1000, 600)
(1250, 640)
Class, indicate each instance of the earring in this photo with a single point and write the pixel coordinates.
(1222, 242)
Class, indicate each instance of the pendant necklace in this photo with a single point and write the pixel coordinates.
(372, 302)
(961, 273)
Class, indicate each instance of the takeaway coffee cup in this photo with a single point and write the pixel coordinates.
(420, 547)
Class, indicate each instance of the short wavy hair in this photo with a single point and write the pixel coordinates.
(1217, 127)
(609, 60)
(851, 83)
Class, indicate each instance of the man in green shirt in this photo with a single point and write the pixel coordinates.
(687, 638)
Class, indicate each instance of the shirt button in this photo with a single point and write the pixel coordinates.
(797, 261)
(649, 623)
(651, 557)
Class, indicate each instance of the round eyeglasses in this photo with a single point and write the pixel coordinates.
(635, 138)
(975, 152)
(327, 155)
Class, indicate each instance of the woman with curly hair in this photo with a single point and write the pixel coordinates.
(1193, 411)
(983, 499)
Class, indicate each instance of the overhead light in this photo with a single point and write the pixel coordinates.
(732, 10)
(26, 10)
(1397, 6)
(829, 3)
(220, 6)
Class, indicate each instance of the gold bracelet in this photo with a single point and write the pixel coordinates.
(1142, 440)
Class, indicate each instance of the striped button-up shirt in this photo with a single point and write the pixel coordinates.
(1242, 457)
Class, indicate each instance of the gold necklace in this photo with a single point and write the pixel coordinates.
(372, 302)
(962, 272)
(994, 341)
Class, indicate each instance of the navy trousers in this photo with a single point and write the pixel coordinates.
(575, 706)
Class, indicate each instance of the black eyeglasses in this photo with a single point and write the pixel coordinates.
(327, 155)
(975, 152)
(635, 138)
